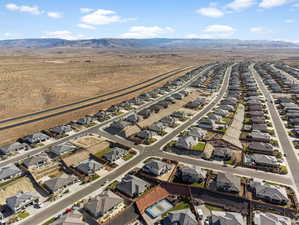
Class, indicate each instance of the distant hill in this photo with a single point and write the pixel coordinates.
(161, 43)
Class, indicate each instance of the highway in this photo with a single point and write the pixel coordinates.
(286, 145)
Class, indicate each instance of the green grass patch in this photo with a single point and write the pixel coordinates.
(128, 156)
(101, 153)
(226, 120)
(201, 185)
(230, 162)
(179, 206)
(213, 208)
(199, 147)
(49, 221)
(23, 215)
(91, 124)
(113, 185)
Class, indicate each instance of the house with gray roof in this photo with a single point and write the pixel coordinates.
(228, 183)
(206, 123)
(168, 121)
(89, 167)
(156, 167)
(221, 153)
(264, 160)
(261, 147)
(225, 218)
(36, 161)
(59, 183)
(115, 154)
(269, 193)
(13, 148)
(60, 130)
(71, 218)
(21, 200)
(179, 217)
(259, 136)
(103, 204)
(9, 171)
(179, 114)
(186, 142)
(190, 175)
(85, 120)
(132, 186)
(35, 138)
(134, 118)
(261, 218)
(146, 134)
(58, 150)
(197, 132)
(157, 127)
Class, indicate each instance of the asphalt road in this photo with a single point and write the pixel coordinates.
(286, 145)
(143, 154)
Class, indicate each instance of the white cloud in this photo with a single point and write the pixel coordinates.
(289, 21)
(214, 31)
(63, 34)
(238, 5)
(85, 10)
(147, 32)
(55, 15)
(272, 3)
(261, 30)
(86, 26)
(24, 8)
(210, 12)
(100, 17)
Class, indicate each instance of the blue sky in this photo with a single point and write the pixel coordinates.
(243, 19)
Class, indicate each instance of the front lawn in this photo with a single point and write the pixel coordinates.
(23, 215)
(101, 153)
(201, 185)
(213, 208)
(179, 206)
(199, 147)
(128, 156)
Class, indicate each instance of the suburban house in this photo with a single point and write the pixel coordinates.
(269, 193)
(60, 130)
(146, 134)
(190, 175)
(8, 172)
(265, 218)
(178, 96)
(89, 167)
(36, 161)
(225, 218)
(264, 160)
(186, 142)
(197, 132)
(221, 153)
(132, 186)
(35, 138)
(59, 183)
(259, 136)
(103, 204)
(134, 118)
(168, 121)
(259, 127)
(206, 123)
(58, 150)
(157, 127)
(179, 114)
(21, 200)
(179, 217)
(13, 148)
(261, 147)
(71, 218)
(156, 167)
(228, 183)
(115, 154)
(145, 113)
(85, 120)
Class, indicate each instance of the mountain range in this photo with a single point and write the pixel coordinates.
(160, 43)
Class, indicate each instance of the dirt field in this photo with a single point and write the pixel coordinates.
(21, 184)
(32, 80)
